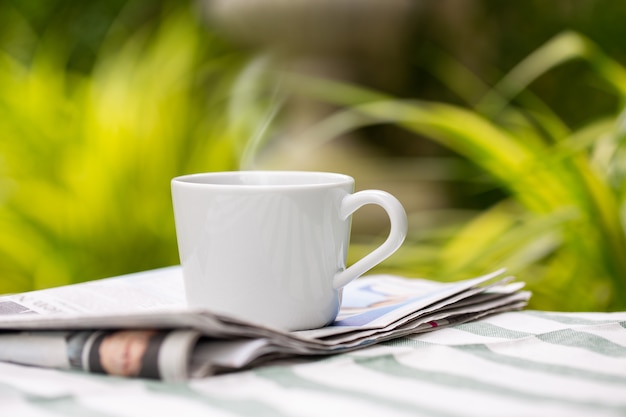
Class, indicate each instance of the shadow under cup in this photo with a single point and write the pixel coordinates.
(269, 247)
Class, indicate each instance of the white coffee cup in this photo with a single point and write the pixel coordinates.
(270, 247)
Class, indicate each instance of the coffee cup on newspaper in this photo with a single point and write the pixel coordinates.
(270, 247)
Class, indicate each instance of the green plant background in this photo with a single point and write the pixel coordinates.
(102, 103)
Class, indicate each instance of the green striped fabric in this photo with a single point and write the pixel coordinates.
(527, 363)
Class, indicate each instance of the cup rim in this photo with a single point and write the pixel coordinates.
(263, 179)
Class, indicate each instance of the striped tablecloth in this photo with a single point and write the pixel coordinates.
(514, 364)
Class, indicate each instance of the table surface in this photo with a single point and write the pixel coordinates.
(526, 363)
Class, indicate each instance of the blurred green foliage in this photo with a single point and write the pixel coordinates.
(91, 134)
(559, 225)
(103, 102)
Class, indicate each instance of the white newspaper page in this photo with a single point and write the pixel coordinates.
(144, 291)
(138, 325)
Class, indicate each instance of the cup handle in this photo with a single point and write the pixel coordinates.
(397, 232)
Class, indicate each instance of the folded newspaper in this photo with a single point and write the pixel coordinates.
(138, 325)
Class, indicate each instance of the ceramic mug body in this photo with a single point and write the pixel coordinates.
(268, 247)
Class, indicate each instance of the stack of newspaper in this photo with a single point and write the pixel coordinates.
(138, 325)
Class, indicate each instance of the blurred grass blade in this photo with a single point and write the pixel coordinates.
(562, 48)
